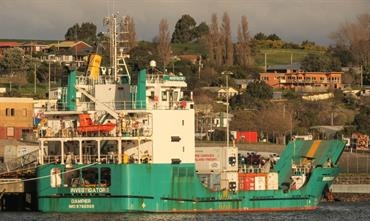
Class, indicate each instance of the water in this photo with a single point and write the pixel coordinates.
(326, 211)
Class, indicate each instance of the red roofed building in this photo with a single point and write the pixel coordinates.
(5, 45)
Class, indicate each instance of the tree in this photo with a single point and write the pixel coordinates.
(273, 37)
(86, 32)
(356, 37)
(201, 30)
(260, 36)
(213, 43)
(307, 45)
(164, 43)
(184, 30)
(362, 120)
(131, 33)
(260, 90)
(141, 55)
(13, 60)
(342, 53)
(243, 46)
(316, 62)
(227, 44)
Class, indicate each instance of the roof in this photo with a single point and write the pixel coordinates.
(16, 100)
(67, 44)
(240, 81)
(230, 89)
(294, 66)
(328, 128)
(9, 44)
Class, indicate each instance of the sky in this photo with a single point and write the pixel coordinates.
(292, 20)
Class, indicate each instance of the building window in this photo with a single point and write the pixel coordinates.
(24, 112)
(10, 131)
(10, 112)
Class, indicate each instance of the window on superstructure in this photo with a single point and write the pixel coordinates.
(175, 95)
(164, 95)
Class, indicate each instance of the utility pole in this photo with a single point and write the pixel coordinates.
(361, 83)
(34, 79)
(199, 65)
(227, 73)
(49, 82)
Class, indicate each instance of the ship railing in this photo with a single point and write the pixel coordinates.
(141, 131)
(72, 159)
(124, 105)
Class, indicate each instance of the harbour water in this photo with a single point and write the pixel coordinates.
(326, 211)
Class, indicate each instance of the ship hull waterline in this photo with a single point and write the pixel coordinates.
(172, 188)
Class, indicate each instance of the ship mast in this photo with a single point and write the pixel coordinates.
(118, 39)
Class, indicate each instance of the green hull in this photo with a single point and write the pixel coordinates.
(174, 188)
(177, 188)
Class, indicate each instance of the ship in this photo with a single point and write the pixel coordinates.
(109, 145)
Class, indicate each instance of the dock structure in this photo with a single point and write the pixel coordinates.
(352, 183)
(17, 195)
(351, 188)
(18, 184)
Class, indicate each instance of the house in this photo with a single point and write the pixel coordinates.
(222, 92)
(68, 52)
(16, 117)
(221, 119)
(6, 45)
(241, 84)
(193, 58)
(284, 68)
(304, 81)
(32, 47)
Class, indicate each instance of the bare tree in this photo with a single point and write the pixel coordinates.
(275, 120)
(164, 42)
(226, 42)
(243, 48)
(131, 33)
(356, 37)
(213, 40)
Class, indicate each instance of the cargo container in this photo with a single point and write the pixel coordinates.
(245, 136)
(216, 159)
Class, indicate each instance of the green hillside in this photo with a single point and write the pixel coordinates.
(281, 56)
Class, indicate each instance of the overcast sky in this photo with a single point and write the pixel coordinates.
(292, 20)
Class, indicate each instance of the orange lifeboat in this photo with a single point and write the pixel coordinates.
(87, 125)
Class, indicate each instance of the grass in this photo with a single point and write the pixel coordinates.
(281, 56)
